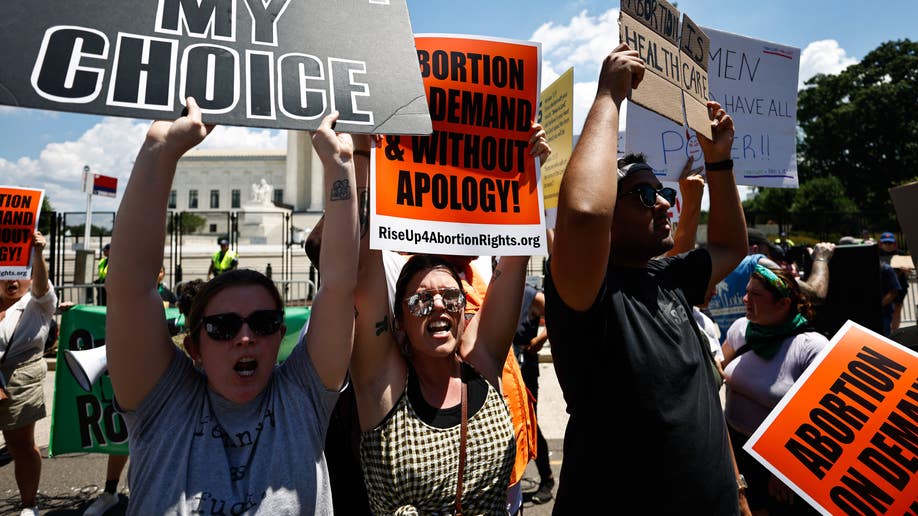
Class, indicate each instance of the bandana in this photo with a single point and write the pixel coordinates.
(772, 282)
(766, 340)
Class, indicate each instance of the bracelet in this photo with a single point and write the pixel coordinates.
(726, 164)
(820, 260)
(361, 152)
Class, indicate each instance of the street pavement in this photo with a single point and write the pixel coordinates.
(70, 482)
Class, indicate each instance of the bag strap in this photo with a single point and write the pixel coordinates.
(462, 438)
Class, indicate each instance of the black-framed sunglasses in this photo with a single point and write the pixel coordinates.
(226, 326)
(421, 303)
(648, 194)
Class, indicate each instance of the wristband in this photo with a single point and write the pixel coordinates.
(726, 164)
(361, 152)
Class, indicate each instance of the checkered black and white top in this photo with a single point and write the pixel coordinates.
(411, 467)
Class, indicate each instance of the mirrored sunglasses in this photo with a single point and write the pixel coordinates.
(226, 326)
(648, 194)
(421, 303)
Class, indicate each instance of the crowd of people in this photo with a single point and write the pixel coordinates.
(415, 382)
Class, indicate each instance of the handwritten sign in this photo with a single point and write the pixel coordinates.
(756, 83)
(19, 209)
(471, 187)
(675, 83)
(556, 114)
(277, 64)
(845, 437)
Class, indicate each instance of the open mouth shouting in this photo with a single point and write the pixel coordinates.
(440, 327)
(246, 366)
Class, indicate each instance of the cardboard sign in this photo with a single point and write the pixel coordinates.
(556, 114)
(756, 83)
(19, 210)
(675, 83)
(844, 437)
(277, 64)
(86, 422)
(471, 187)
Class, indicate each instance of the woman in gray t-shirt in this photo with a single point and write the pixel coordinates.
(765, 352)
(223, 429)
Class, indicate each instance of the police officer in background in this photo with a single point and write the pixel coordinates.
(101, 298)
(223, 260)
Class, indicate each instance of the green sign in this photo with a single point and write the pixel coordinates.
(86, 422)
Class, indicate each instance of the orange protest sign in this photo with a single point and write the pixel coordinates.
(19, 209)
(846, 436)
(471, 186)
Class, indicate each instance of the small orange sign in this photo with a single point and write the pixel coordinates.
(846, 436)
(19, 209)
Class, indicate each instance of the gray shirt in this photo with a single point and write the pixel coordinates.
(194, 452)
(755, 385)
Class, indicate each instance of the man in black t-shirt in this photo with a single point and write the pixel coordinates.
(637, 381)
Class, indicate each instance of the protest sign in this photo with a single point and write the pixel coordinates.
(19, 210)
(755, 82)
(86, 422)
(905, 201)
(278, 64)
(675, 82)
(556, 114)
(471, 187)
(844, 437)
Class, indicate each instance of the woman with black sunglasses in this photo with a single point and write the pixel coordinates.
(226, 430)
(437, 437)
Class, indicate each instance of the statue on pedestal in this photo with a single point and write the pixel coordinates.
(262, 193)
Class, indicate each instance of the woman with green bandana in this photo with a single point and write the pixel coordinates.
(765, 352)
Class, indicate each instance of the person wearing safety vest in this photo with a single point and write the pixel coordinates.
(223, 260)
(103, 272)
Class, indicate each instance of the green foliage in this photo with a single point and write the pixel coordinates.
(860, 126)
(191, 223)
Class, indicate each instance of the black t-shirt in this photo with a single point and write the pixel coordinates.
(640, 394)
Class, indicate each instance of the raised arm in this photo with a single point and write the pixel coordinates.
(586, 199)
(816, 286)
(139, 347)
(489, 334)
(691, 186)
(377, 368)
(40, 285)
(727, 240)
(330, 337)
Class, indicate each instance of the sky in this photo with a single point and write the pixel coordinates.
(48, 150)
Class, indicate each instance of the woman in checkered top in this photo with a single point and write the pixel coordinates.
(408, 376)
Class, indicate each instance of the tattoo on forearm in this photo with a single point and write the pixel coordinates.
(382, 326)
(341, 190)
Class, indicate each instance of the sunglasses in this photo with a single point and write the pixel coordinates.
(421, 303)
(648, 194)
(226, 326)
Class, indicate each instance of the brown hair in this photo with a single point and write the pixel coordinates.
(232, 278)
(800, 303)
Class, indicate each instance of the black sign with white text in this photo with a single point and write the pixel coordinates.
(261, 63)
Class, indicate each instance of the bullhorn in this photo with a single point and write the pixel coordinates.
(86, 365)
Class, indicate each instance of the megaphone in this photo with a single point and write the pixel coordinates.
(86, 365)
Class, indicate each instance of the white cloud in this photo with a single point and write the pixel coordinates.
(825, 56)
(582, 43)
(109, 148)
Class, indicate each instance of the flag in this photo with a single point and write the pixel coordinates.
(104, 185)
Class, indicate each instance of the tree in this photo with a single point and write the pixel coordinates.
(825, 197)
(860, 126)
